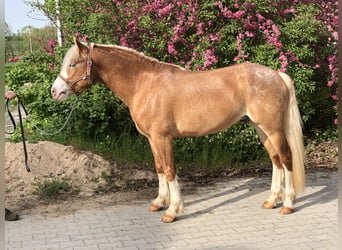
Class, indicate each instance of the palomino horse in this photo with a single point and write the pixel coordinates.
(166, 102)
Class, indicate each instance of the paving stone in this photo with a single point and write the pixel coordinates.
(226, 216)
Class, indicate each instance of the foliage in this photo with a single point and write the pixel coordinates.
(97, 113)
(329, 135)
(240, 143)
(296, 37)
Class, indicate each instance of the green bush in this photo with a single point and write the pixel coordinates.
(295, 36)
(292, 36)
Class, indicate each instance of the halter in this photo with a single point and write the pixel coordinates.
(84, 76)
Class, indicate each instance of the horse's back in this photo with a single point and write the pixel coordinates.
(185, 103)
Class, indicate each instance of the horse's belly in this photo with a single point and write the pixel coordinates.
(194, 122)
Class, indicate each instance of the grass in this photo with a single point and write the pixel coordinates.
(212, 154)
(126, 148)
(53, 188)
(238, 144)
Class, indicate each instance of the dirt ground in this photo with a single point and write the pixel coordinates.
(96, 182)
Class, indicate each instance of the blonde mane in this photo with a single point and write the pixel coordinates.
(138, 54)
(72, 55)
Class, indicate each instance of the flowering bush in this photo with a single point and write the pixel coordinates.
(298, 37)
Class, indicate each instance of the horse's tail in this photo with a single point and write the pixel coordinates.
(294, 136)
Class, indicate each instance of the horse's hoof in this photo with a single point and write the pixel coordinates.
(269, 205)
(155, 208)
(286, 210)
(168, 218)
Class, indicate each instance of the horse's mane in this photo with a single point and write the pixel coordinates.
(134, 53)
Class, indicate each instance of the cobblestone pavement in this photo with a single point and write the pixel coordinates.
(226, 216)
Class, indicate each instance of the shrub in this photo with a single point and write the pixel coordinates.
(298, 37)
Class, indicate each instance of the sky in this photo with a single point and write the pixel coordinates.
(18, 15)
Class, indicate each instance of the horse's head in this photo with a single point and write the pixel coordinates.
(75, 72)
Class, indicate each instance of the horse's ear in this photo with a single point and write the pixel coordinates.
(81, 47)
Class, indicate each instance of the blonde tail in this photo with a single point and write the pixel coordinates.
(294, 136)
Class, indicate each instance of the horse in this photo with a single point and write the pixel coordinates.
(166, 102)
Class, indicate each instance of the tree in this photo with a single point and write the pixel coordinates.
(9, 53)
(27, 40)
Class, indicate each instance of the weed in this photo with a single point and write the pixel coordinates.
(52, 188)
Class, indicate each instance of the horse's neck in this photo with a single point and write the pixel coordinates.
(118, 71)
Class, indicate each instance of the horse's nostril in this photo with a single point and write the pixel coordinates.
(53, 91)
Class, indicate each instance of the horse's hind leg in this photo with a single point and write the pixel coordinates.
(277, 173)
(290, 194)
(284, 160)
(276, 188)
(279, 142)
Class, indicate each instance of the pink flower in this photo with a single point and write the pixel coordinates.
(216, 37)
(171, 48)
(249, 34)
(335, 35)
(238, 15)
(209, 57)
(290, 10)
(224, 10)
(165, 11)
(200, 27)
(284, 62)
(260, 18)
(276, 30)
(52, 43)
(123, 41)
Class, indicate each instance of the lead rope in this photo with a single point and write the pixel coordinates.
(20, 103)
(21, 127)
(59, 130)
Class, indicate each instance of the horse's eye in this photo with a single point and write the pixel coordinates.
(72, 65)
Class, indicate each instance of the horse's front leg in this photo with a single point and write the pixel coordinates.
(169, 190)
(176, 201)
(163, 199)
